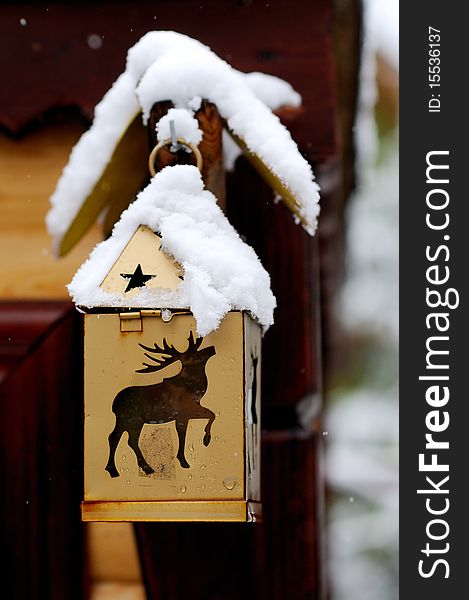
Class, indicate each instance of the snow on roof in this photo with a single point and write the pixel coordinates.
(181, 77)
(167, 65)
(221, 272)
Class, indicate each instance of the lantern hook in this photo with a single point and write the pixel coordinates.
(175, 145)
(169, 142)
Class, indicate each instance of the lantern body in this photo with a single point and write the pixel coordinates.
(195, 422)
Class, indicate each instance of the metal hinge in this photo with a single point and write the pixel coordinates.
(132, 321)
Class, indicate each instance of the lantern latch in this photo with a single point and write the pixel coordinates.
(132, 320)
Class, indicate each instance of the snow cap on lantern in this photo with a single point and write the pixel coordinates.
(192, 258)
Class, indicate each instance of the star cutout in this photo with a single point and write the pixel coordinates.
(136, 279)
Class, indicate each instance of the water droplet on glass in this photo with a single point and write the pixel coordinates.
(128, 481)
(189, 476)
(23, 22)
(124, 457)
(229, 483)
(351, 499)
(183, 488)
(191, 448)
(202, 467)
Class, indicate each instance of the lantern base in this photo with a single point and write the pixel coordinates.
(214, 511)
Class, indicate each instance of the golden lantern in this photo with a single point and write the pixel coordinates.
(167, 441)
(172, 418)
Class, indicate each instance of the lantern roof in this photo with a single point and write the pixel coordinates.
(165, 65)
(174, 248)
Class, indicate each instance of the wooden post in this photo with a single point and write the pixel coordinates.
(291, 410)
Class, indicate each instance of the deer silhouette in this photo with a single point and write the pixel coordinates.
(252, 415)
(255, 360)
(174, 399)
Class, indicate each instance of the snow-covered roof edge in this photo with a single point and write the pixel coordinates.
(221, 272)
(119, 106)
(205, 74)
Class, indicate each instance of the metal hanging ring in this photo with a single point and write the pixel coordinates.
(168, 142)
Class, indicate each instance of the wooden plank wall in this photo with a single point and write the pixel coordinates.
(29, 169)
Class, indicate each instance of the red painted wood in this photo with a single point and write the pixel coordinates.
(41, 458)
(48, 62)
(22, 325)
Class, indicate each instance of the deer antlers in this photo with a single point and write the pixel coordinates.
(172, 355)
